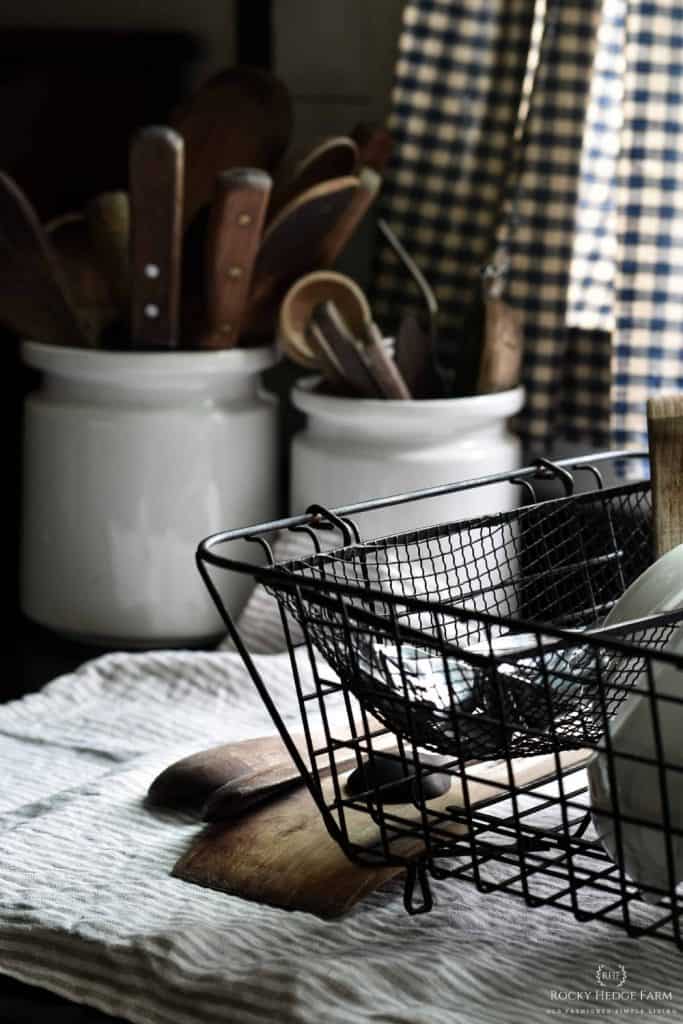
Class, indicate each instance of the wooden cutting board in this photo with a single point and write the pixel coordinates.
(282, 854)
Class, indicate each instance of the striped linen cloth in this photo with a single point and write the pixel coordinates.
(88, 908)
(597, 247)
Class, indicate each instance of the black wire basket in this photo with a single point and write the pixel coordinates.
(454, 682)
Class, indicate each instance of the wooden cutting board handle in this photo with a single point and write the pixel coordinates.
(665, 432)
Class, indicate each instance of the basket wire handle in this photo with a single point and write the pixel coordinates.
(346, 527)
(552, 468)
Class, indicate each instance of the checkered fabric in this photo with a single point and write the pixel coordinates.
(597, 239)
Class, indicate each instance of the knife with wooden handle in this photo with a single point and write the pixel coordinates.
(234, 235)
(156, 209)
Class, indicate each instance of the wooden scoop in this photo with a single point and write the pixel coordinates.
(283, 855)
(251, 770)
(35, 299)
(296, 311)
(665, 433)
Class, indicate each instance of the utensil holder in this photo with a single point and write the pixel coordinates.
(128, 458)
(355, 448)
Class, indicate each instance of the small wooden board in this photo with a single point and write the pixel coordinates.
(282, 854)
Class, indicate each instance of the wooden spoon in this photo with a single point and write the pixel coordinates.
(88, 285)
(335, 157)
(369, 184)
(241, 117)
(108, 221)
(301, 300)
(347, 324)
(246, 770)
(283, 855)
(294, 244)
(35, 300)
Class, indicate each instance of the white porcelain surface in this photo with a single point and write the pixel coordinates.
(352, 449)
(129, 460)
(659, 589)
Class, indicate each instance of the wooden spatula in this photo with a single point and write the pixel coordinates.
(282, 854)
(369, 184)
(88, 283)
(248, 770)
(294, 244)
(233, 237)
(156, 206)
(108, 220)
(242, 117)
(333, 158)
(665, 433)
(34, 291)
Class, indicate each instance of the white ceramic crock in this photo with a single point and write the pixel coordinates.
(131, 458)
(352, 449)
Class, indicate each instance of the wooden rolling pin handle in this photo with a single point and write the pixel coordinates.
(665, 432)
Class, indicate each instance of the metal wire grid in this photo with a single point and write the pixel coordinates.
(399, 594)
(571, 558)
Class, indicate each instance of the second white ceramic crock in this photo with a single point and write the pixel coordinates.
(353, 449)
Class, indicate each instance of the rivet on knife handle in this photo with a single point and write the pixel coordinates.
(234, 235)
(156, 200)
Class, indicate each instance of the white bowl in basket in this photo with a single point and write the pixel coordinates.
(638, 792)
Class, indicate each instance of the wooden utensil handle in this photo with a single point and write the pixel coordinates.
(369, 184)
(331, 325)
(382, 367)
(234, 234)
(156, 182)
(665, 432)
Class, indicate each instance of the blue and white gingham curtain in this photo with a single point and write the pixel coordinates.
(597, 252)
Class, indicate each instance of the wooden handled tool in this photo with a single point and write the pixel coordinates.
(325, 358)
(88, 284)
(375, 145)
(336, 241)
(665, 432)
(282, 854)
(35, 300)
(333, 158)
(333, 328)
(241, 117)
(156, 206)
(233, 237)
(108, 221)
(382, 367)
(294, 244)
(299, 303)
(248, 768)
